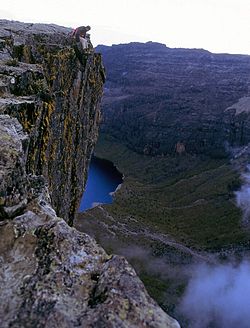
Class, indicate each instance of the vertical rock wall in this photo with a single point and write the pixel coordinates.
(55, 96)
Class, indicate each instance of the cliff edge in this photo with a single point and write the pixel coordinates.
(50, 274)
(56, 100)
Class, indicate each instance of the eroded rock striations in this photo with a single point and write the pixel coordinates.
(56, 99)
(51, 275)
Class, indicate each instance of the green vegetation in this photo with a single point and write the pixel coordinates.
(12, 62)
(187, 197)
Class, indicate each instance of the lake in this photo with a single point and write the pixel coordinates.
(103, 179)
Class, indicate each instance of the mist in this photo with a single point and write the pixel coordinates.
(218, 297)
(243, 196)
(144, 260)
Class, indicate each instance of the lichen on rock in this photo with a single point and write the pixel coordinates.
(56, 98)
(52, 273)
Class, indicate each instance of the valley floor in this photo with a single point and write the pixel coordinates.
(170, 214)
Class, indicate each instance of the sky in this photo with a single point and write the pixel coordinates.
(220, 26)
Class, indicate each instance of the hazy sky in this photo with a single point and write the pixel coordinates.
(215, 25)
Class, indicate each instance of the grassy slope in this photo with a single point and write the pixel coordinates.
(189, 198)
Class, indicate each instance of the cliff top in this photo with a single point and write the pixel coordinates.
(8, 27)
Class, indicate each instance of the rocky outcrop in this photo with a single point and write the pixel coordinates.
(56, 99)
(13, 181)
(51, 275)
(157, 98)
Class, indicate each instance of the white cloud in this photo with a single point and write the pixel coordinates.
(218, 295)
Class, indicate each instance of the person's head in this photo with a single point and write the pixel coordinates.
(88, 28)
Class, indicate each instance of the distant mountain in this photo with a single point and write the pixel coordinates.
(161, 100)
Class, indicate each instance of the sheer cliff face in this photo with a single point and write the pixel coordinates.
(56, 99)
(161, 100)
(51, 275)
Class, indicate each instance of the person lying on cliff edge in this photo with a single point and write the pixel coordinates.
(81, 37)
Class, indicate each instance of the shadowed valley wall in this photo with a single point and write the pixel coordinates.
(162, 101)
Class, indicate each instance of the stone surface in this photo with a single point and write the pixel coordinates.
(55, 93)
(51, 275)
(13, 180)
(157, 98)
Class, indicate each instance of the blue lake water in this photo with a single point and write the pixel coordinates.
(103, 179)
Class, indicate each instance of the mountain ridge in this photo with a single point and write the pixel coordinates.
(184, 90)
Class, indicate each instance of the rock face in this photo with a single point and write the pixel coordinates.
(51, 275)
(157, 98)
(56, 99)
(13, 181)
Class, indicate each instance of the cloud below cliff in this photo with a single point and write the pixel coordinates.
(218, 296)
(243, 196)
